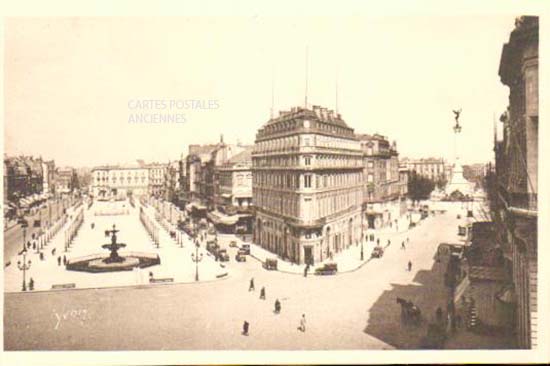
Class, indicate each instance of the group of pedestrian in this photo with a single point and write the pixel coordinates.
(277, 310)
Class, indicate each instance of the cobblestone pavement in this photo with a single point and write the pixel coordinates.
(354, 310)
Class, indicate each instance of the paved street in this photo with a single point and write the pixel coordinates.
(13, 237)
(354, 310)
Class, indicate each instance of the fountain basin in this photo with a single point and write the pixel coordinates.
(97, 263)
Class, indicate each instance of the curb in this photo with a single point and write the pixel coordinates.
(140, 286)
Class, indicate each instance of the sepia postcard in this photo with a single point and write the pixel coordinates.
(295, 183)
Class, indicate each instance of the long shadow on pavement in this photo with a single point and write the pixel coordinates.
(428, 292)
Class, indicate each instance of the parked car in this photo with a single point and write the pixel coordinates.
(246, 248)
(239, 257)
(377, 252)
(327, 269)
(212, 248)
(270, 264)
(223, 256)
(233, 244)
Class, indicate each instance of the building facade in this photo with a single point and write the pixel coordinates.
(432, 168)
(24, 177)
(383, 201)
(157, 175)
(66, 180)
(120, 181)
(307, 185)
(517, 173)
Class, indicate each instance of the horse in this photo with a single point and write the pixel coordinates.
(410, 313)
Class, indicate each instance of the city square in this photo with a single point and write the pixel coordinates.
(259, 220)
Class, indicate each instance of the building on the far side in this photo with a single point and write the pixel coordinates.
(383, 199)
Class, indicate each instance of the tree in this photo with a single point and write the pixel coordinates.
(441, 182)
(419, 187)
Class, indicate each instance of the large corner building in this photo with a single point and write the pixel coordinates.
(307, 185)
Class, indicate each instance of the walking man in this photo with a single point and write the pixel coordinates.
(410, 266)
(277, 306)
(251, 287)
(64, 260)
(302, 326)
(59, 260)
(245, 328)
(402, 245)
(262, 293)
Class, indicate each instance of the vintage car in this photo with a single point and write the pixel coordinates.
(223, 256)
(327, 269)
(377, 252)
(240, 257)
(212, 247)
(270, 264)
(233, 244)
(245, 248)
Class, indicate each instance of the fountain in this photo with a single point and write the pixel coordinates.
(113, 261)
(113, 247)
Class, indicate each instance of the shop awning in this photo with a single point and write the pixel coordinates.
(219, 218)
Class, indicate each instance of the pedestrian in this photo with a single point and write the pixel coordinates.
(277, 306)
(31, 284)
(53, 251)
(410, 266)
(245, 328)
(29, 244)
(59, 260)
(306, 269)
(458, 320)
(302, 326)
(378, 241)
(251, 287)
(262, 293)
(64, 260)
(402, 245)
(34, 244)
(389, 242)
(41, 256)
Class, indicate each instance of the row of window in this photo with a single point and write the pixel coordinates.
(290, 142)
(308, 208)
(307, 180)
(318, 160)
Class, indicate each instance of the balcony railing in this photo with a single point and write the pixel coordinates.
(527, 201)
(520, 202)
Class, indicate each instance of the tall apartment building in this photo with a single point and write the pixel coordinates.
(382, 188)
(516, 173)
(307, 185)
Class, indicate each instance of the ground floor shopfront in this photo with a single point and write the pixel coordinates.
(383, 214)
(301, 243)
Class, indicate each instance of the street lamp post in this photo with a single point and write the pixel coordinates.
(196, 258)
(25, 266)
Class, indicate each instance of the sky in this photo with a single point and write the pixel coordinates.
(74, 87)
